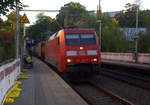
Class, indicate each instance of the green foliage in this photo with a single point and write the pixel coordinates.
(92, 23)
(72, 14)
(1, 49)
(7, 49)
(7, 33)
(144, 17)
(113, 39)
(7, 5)
(127, 18)
(44, 25)
(144, 43)
(10, 24)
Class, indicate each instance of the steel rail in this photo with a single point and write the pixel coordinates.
(88, 101)
(121, 100)
(141, 79)
(133, 84)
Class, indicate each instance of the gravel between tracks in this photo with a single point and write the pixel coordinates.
(133, 94)
(96, 97)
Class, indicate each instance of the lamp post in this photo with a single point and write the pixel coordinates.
(100, 23)
(136, 39)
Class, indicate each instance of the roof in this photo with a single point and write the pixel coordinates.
(79, 30)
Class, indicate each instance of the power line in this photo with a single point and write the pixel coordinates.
(41, 10)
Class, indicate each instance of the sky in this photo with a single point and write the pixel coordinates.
(107, 6)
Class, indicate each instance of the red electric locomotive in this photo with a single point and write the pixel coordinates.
(74, 51)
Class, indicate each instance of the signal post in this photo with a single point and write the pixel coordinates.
(23, 20)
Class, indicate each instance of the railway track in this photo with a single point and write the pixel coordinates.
(95, 95)
(131, 80)
(111, 92)
(127, 75)
(134, 94)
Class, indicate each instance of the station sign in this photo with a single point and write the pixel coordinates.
(136, 37)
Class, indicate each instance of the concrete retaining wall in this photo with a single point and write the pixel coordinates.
(8, 75)
(126, 57)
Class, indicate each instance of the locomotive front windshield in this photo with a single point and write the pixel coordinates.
(80, 39)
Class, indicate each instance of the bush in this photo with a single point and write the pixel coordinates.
(7, 46)
(1, 49)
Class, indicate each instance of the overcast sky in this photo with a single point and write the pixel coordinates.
(107, 5)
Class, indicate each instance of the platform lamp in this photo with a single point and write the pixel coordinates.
(100, 22)
(137, 36)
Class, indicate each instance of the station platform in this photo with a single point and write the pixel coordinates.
(127, 64)
(45, 87)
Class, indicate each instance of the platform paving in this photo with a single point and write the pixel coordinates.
(45, 87)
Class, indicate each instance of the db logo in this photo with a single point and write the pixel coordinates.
(81, 52)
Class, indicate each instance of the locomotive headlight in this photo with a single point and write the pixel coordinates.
(69, 60)
(94, 59)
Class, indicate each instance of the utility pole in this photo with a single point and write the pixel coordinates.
(100, 22)
(137, 36)
(22, 40)
(17, 30)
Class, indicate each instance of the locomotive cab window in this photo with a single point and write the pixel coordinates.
(87, 39)
(80, 39)
(72, 39)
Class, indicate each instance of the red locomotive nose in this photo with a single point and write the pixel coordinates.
(70, 47)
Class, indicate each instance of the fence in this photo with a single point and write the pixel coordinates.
(8, 75)
(126, 57)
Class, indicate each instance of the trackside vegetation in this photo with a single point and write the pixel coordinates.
(7, 37)
(75, 14)
(113, 39)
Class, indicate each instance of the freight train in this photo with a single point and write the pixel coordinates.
(72, 51)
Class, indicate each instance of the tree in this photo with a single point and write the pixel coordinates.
(7, 45)
(7, 5)
(144, 17)
(7, 36)
(127, 18)
(144, 43)
(10, 23)
(72, 14)
(43, 26)
(1, 49)
(1, 23)
(92, 22)
(113, 39)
